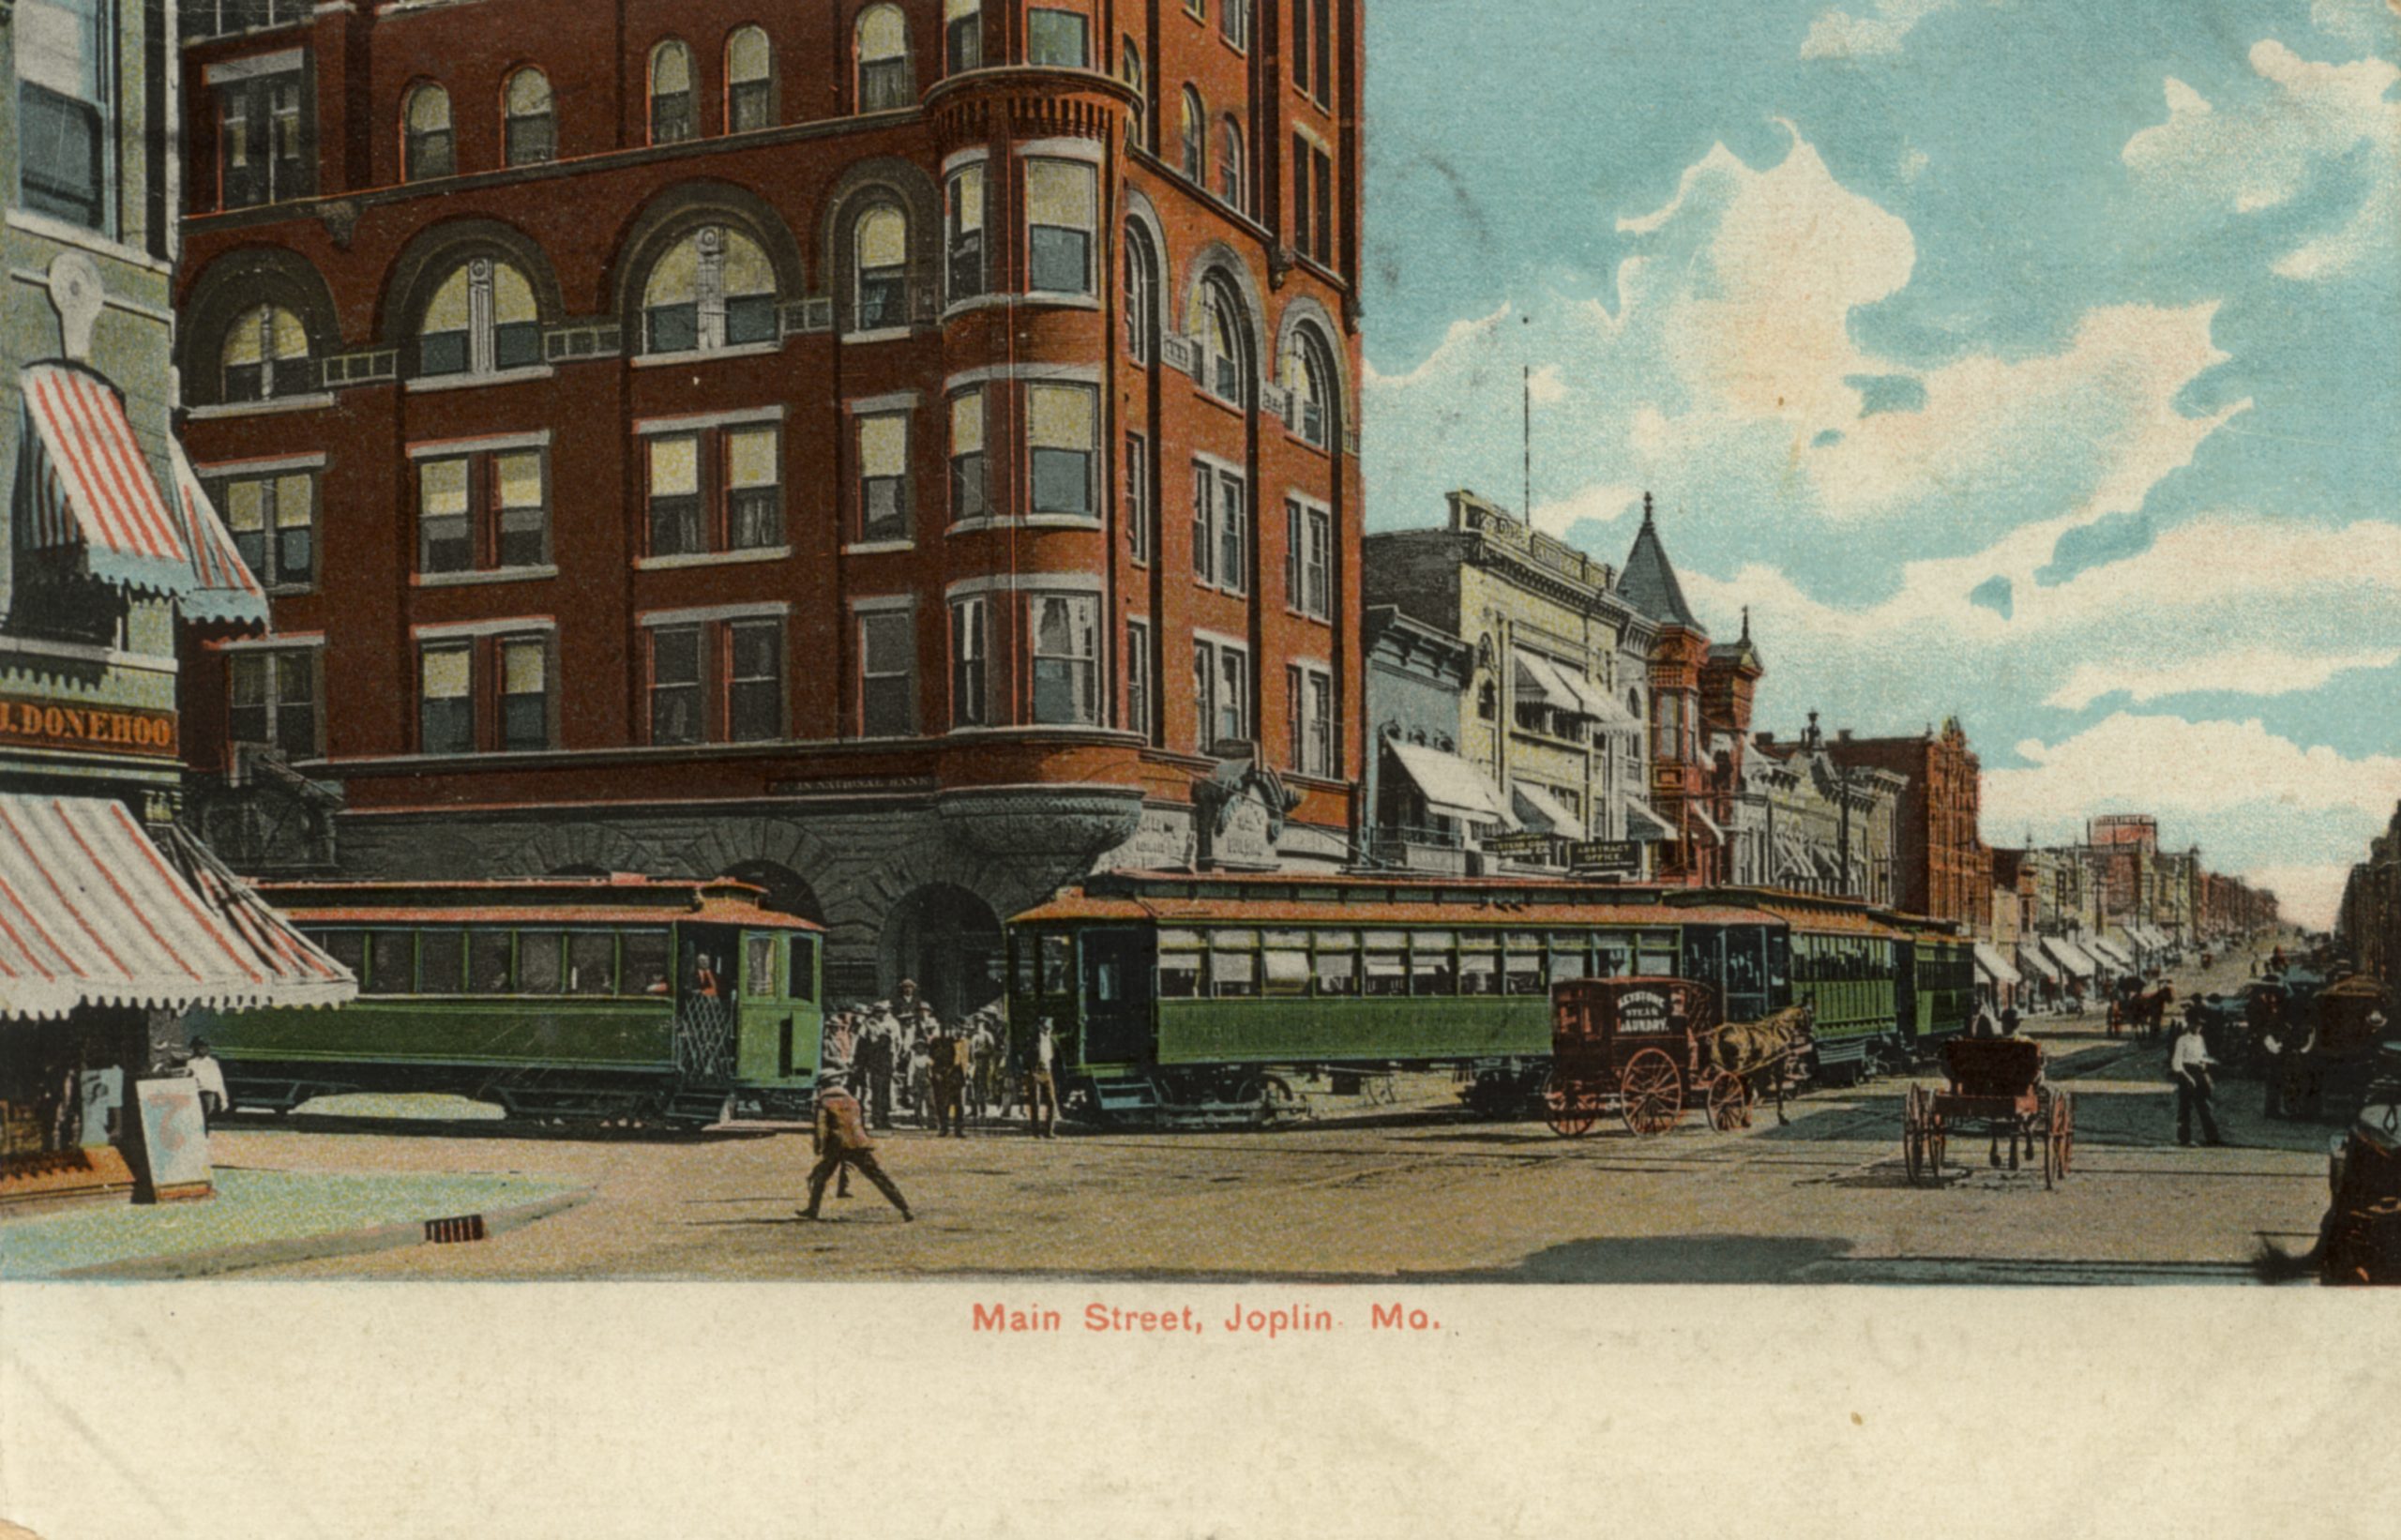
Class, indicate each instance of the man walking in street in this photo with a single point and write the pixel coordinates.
(947, 1077)
(2188, 1066)
(840, 1141)
(1042, 1085)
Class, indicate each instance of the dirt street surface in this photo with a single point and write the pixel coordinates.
(1412, 1192)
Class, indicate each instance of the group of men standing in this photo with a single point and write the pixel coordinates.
(900, 1051)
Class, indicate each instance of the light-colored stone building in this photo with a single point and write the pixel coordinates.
(1807, 823)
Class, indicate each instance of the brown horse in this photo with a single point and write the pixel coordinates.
(2148, 1012)
(1743, 1049)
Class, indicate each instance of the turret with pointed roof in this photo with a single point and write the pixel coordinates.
(1649, 580)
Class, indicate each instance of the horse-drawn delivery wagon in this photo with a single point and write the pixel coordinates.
(1996, 1083)
(1646, 1049)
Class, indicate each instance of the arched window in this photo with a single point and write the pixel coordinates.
(962, 33)
(531, 133)
(882, 243)
(267, 356)
(749, 81)
(1230, 163)
(1218, 322)
(1309, 376)
(1130, 69)
(1141, 295)
(671, 93)
(481, 319)
(427, 149)
(1196, 136)
(715, 288)
(883, 59)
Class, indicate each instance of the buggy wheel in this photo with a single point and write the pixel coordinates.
(1567, 1106)
(1914, 1134)
(2063, 1132)
(1730, 1104)
(1651, 1095)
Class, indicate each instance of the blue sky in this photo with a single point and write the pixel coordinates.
(2030, 360)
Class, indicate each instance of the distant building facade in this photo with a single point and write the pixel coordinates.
(1555, 694)
(1945, 867)
(1808, 823)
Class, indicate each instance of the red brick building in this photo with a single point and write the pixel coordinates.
(1946, 869)
(893, 451)
(1699, 718)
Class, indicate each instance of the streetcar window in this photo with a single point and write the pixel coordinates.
(1567, 958)
(1387, 966)
(538, 968)
(1021, 964)
(441, 961)
(1233, 975)
(1285, 958)
(801, 982)
(1779, 961)
(347, 948)
(1179, 972)
(592, 962)
(759, 970)
(1658, 955)
(392, 962)
(487, 961)
(1524, 974)
(1479, 964)
(1337, 962)
(1432, 968)
(645, 962)
(1058, 973)
(1615, 958)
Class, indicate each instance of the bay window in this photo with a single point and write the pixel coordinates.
(1062, 434)
(968, 498)
(968, 646)
(1065, 629)
(1062, 205)
(963, 234)
(1059, 39)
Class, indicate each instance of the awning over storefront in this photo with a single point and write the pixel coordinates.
(2030, 959)
(2070, 958)
(1995, 967)
(1643, 825)
(2111, 954)
(1451, 786)
(1707, 822)
(222, 586)
(1543, 678)
(1792, 856)
(95, 912)
(1541, 808)
(88, 489)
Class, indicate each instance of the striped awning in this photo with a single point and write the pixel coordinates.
(94, 911)
(1994, 966)
(84, 482)
(222, 587)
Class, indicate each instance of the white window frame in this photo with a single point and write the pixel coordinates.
(971, 663)
(1088, 607)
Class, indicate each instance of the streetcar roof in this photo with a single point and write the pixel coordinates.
(1232, 909)
(618, 900)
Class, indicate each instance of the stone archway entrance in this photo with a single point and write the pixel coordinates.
(949, 941)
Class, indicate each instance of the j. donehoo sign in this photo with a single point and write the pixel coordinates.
(36, 723)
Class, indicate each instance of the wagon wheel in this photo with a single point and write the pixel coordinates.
(1651, 1095)
(1567, 1106)
(1729, 1103)
(2063, 1132)
(1913, 1136)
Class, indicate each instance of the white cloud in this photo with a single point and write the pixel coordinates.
(1840, 35)
(1598, 502)
(2244, 670)
(2362, 24)
(2173, 767)
(2263, 154)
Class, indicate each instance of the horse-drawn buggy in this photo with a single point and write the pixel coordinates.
(1646, 1049)
(2141, 1011)
(1996, 1083)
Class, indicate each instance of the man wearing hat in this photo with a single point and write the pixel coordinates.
(841, 1143)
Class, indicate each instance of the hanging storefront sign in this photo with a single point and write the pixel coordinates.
(1518, 847)
(1605, 856)
(32, 722)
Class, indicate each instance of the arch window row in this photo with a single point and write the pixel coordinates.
(1219, 330)
(1214, 151)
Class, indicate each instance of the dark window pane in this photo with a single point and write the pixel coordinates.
(673, 328)
(1061, 260)
(670, 117)
(754, 710)
(446, 727)
(244, 383)
(883, 298)
(442, 353)
(967, 488)
(966, 264)
(1063, 481)
(525, 722)
(295, 557)
(757, 518)
(441, 961)
(392, 962)
(532, 141)
(488, 968)
(748, 106)
(538, 962)
(750, 318)
(965, 43)
(295, 376)
(591, 962)
(522, 538)
(517, 345)
(430, 154)
(295, 730)
(447, 546)
(60, 170)
(250, 545)
(674, 526)
(347, 948)
(887, 709)
(883, 85)
(645, 961)
(887, 509)
(800, 982)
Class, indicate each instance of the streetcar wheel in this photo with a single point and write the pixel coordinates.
(1651, 1095)
(1730, 1104)
(1567, 1106)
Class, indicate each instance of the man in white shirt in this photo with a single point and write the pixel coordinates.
(1042, 1084)
(2188, 1066)
(210, 1076)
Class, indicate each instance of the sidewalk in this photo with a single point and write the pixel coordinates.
(264, 1216)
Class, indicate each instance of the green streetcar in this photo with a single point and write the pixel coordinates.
(611, 999)
(1189, 997)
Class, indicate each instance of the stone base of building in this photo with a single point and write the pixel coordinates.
(913, 887)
